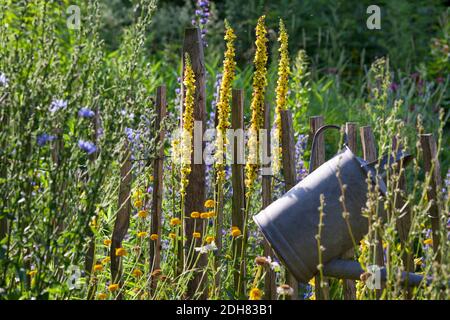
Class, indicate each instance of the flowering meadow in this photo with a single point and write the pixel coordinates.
(101, 196)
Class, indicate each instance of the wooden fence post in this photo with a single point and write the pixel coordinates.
(318, 158)
(370, 154)
(350, 285)
(158, 167)
(288, 164)
(432, 166)
(122, 219)
(270, 289)
(195, 191)
(237, 179)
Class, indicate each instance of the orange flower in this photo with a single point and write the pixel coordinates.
(142, 214)
(113, 287)
(154, 237)
(107, 242)
(102, 296)
(98, 267)
(235, 232)
(137, 273)
(209, 203)
(195, 214)
(175, 221)
(120, 252)
(211, 214)
(196, 235)
(204, 215)
(255, 294)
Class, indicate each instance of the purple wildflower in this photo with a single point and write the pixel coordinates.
(87, 146)
(85, 113)
(394, 86)
(42, 139)
(57, 105)
(202, 18)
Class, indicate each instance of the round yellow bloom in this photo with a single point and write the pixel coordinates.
(102, 296)
(113, 287)
(175, 221)
(196, 235)
(138, 204)
(106, 260)
(428, 241)
(120, 252)
(154, 237)
(211, 214)
(195, 214)
(32, 273)
(255, 294)
(172, 236)
(236, 232)
(209, 203)
(98, 267)
(209, 239)
(107, 242)
(142, 234)
(137, 273)
(418, 261)
(142, 214)
(204, 215)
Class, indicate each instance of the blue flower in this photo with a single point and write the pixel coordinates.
(57, 105)
(43, 138)
(3, 79)
(85, 113)
(87, 146)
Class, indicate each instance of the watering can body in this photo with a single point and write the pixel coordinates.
(290, 224)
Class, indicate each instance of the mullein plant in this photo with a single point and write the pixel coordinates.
(256, 123)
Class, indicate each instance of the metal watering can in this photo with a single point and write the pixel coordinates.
(290, 224)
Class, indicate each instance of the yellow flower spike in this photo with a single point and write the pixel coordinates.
(196, 235)
(255, 294)
(113, 287)
(223, 105)
(312, 282)
(107, 242)
(257, 104)
(172, 236)
(175, 221)
(102, 296)
(120, 252)
(195, 215)
(138, 204)
(154, 237)
(98, 267)
(106, 260)
(137, 273)
(235, 232)
(209, 239)
(142, 234)
(282, 91)
(209, 203)
(143, 214)
(428, 241)
(188, 124)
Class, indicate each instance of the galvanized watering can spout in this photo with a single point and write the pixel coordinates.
(290, 223)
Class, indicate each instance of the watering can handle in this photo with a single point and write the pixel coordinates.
(316, 135)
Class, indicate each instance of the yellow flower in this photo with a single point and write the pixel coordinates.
(175, 221)
(312, 282)
(428, 241)
(106, 260)
(209, 203)
(235, 232)
(172, 235)
(137, 273)
(142, 234)
(188, 124)
(209, 239)
(151, 178)
(102, 296)
(210, 214)
(257, 104)
(137, 195)
(154, 237)
(195, 214)
(107, 242)
(113, 287)
(204, 215)
(32, 273)
(196, 235)
(282, 91)
(418, 261)
(98, 267)
(138, 204)
(255, 294)
(120, 252)
(142, 214)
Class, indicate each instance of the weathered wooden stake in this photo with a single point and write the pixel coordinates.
(350, 285)
(158, 167)
(370, 154)
(122, 219)
(318, 158)
(270, 289)
(237, 179)
(195, 191)
(432, 166)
